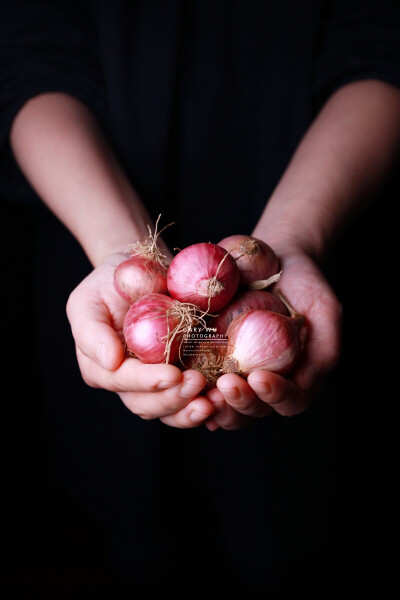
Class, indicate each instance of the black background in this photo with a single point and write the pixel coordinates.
(53, 545)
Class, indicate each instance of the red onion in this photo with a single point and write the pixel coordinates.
(144, 272)
(244, 301)
(203, 274)
(263, 339)
(154, 327)
(255, 259)
(139, 275)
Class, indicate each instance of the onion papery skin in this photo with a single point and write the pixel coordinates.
(191, 270)
(255, 259)
(262, 339)
(140, 275)
(244, 301)
(146, 323)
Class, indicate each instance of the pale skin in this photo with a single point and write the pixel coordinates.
(343, 157)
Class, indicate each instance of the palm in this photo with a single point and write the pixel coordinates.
(311, 295)
(96, 311)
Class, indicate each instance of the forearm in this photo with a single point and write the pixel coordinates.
(65, 157)
(335, 170)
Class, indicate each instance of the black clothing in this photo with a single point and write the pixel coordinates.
(204, 104)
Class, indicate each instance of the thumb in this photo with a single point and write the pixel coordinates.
(94, 335)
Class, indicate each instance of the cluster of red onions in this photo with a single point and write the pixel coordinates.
(207, 287)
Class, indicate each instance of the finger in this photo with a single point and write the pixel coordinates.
(131, 376)
(240, 396)
(224, 416)
(280, 393)
(192, 415)
(92, 329)
(159, 404)
(149, 391)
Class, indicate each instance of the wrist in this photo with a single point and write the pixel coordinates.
(120, 242)
(287, 238)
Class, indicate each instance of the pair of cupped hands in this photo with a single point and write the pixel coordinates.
(163, 391)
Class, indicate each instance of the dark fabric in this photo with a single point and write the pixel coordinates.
(204, 103)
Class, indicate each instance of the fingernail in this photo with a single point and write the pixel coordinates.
(103, 355)
(188, 390)
(196, 417)
(266, 388)
(231, 393)
(261, 386)
(164, 385)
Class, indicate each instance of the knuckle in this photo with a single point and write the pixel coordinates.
(86, 370)
(71, 301)
(142, 413)
(136, 405)
(89, 381)
(145, 416)
(169, 404)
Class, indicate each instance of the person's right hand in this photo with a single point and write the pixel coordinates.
(96, 313)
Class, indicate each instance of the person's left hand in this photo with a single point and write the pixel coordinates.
(237, 401)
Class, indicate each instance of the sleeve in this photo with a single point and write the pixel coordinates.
(360, 40)
(45, 46)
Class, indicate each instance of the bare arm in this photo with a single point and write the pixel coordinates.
(342, 159)
(66, 158)
(336, 169)
(64, 155)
